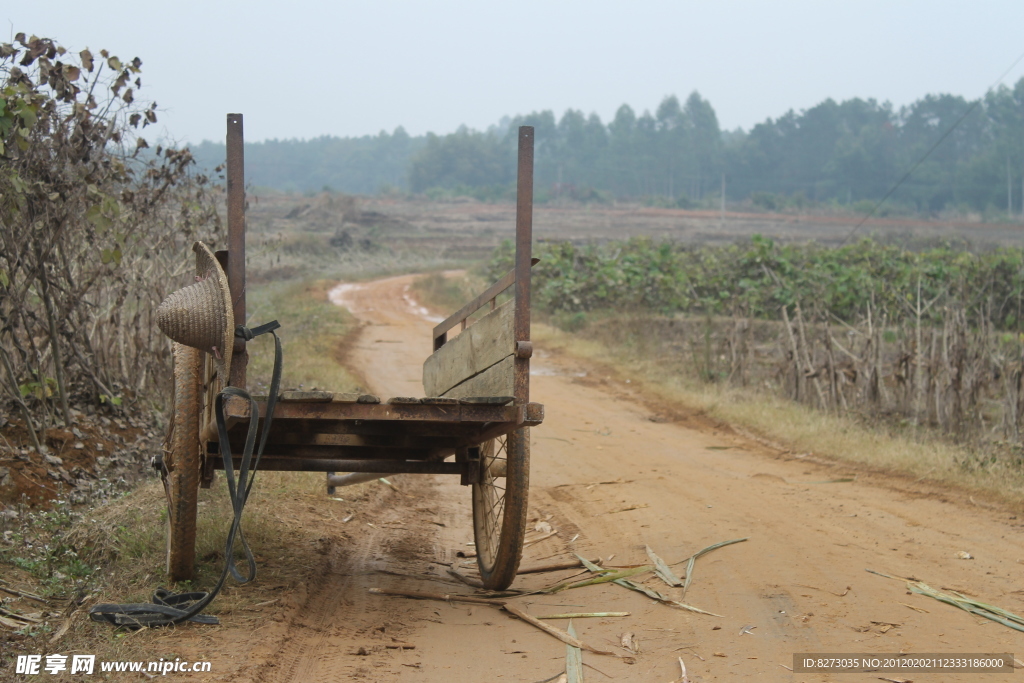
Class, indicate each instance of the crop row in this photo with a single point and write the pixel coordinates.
(922, 338)
(757, 278)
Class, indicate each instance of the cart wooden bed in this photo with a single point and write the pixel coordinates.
(474, 421)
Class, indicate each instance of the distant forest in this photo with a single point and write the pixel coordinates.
(845, 153)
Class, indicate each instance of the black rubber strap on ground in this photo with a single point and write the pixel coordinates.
(174, 608)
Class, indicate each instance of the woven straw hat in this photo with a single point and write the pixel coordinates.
(200, 315)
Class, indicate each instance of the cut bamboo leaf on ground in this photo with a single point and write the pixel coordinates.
(682, 674)
(557, 678)
(838, 595)
(442, 597)
(663, 598)
(558, 566)
(690, 563)
(573, 659)
(625, 583)
(598, 483)
(606, 577)
(663, 571)
(916, 609)
(981, 609)
(557, 633)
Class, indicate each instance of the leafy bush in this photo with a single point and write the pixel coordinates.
(95, 228)
(759, 277)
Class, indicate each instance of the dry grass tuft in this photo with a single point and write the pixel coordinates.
(314, 333)
(444, 293)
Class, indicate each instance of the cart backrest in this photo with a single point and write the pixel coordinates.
(491, 357)
(478, 362)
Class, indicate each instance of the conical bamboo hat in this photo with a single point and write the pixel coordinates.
(200, 315)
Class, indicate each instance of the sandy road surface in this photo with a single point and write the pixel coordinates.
(797, 585)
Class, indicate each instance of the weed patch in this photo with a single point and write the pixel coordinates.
(314, 333)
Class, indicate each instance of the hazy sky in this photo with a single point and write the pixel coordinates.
(306, 68)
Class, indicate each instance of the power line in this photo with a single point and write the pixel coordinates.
(931, 149)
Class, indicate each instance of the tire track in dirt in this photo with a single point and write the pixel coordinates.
(341, 632)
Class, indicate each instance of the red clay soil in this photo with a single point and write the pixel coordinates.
(84, 463)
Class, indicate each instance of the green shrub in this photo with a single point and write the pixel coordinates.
(758, 277)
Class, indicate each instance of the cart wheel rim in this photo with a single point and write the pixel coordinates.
(489, 500)
(183, 461)
(500, 500)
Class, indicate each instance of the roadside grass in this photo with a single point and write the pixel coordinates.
(315, 335)
(444, 293)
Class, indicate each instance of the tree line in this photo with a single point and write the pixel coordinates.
(840, 153)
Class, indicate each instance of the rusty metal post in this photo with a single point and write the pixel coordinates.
(524, 254)
(236, 241)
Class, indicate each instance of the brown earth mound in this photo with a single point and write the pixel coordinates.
(95, 457)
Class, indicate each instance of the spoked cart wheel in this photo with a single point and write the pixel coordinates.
(182, 463)
(500, 498)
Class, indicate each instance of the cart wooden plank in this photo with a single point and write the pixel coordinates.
(306, 396)
(496, 380)
(350, 465)
(237, 409)
(393, 440)
(481, 345)
(377, 427)
(341, 452)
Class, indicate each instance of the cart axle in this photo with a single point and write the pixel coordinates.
(381, 466)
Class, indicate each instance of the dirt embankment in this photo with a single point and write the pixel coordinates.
(97, 456)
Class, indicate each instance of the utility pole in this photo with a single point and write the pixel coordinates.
(1009, 191)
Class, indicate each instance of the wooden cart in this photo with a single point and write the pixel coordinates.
(474, 422)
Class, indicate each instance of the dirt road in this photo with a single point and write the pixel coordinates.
(612, 474)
